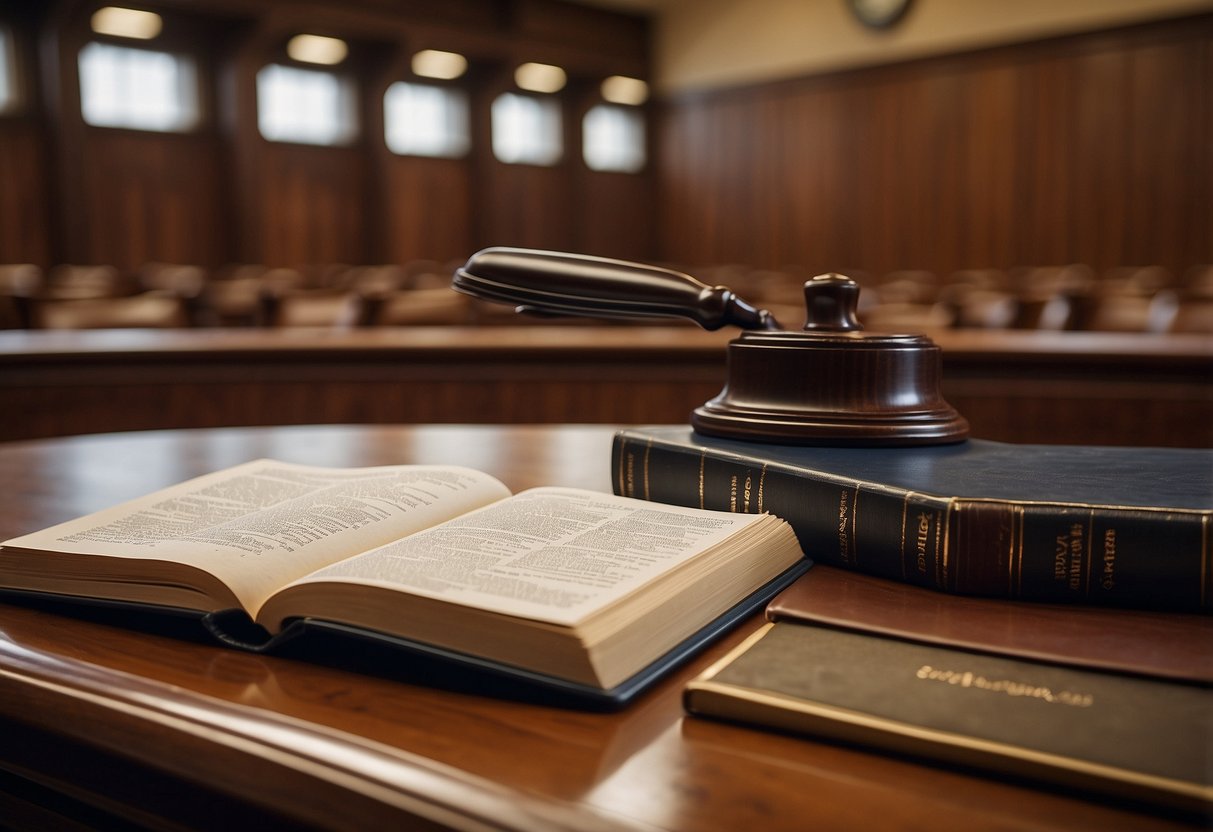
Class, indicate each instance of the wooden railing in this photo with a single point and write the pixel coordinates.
(1081, 388)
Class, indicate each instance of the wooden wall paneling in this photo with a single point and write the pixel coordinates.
(24, 197)
(305, 204)
(766, 242)
(680, 148)
(425, 203)
(522, 204)
(616, 211)
(1090, 148)
(25, 226)
(990, 187)
(1169, 89)
(616, 214)
(130, 197)
(428, 209)
(1102, 197)
(150, 197)
(817, 169)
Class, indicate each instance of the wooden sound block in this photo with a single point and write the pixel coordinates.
(832, 384)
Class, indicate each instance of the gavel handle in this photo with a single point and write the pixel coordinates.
(556, 283)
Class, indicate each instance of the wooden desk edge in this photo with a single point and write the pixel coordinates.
(330, 778)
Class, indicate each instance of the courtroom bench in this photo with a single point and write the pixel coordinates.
(1049, 387)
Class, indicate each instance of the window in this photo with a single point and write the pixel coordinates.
(613, 139)
(8, 72)
(305, 106)
(426, 120)
(137, 88)
(527, 130)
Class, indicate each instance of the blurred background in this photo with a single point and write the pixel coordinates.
(970, 160)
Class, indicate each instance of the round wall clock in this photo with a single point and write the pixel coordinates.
(879, 14)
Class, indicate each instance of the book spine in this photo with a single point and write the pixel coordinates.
(1032, 551)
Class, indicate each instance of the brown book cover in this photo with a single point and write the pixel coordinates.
(1168, 645)
(1130, 737)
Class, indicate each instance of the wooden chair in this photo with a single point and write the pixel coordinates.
(1132, 312)
(426, 274)
(18, 283)
(1195, 312)
(186, 282)
(154, 309)
(983, 309)
(290, 307)
(375, 279)
(74, 282)
(1194, 315)
(233, 296)
(895, 318)
(915, 286)
(420, 307)
(1053, 298)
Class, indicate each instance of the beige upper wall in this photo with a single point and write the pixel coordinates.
(708, 44)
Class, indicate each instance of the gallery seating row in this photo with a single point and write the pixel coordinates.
(159, 295)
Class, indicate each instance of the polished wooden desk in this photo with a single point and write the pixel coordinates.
(100, 722)
(1015, 386)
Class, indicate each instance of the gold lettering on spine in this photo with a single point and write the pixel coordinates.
(844, 547)
(921, 539)
(943, 527)
(905, 508)
(761, 482)
(1107, 580)
(855, 527)
(1090, 552)
(647, 448)
(1076, 548)
(625, 464)
(703, 456)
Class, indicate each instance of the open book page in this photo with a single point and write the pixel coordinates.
(549, 554)
(260, 525)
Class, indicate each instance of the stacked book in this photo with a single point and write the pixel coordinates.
(1039, 611)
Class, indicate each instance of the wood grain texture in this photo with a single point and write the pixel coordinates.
(1069, 388)
(163, 730)
(1091, 148)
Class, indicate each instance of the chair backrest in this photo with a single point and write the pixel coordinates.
(309, 307)
(907, 318)
(147, 310)
(418, 307)
(18, 283)
(1194, 315)
(73, 282)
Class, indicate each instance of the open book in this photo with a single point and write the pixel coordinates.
(585, 589)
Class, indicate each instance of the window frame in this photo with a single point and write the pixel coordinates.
(347, 101)
(10, 67)
(633, 114)
(549, 105)
(189, 83)
(458, 150)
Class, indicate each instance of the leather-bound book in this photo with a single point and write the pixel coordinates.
(1170, 645)
(1113, 526)
(1107, 734)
